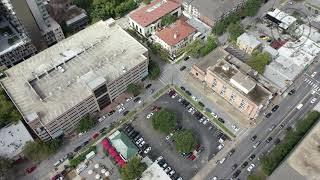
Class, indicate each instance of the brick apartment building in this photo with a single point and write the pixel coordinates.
(229, 82)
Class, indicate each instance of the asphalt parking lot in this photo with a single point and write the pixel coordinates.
(184, 167)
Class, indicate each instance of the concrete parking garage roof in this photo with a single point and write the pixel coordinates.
(58, 78)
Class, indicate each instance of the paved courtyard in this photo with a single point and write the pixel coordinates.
(186, 168)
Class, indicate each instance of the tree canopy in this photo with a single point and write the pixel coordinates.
(185, 140)
(200, 48)
(164, 121)
(104, 9)
(235, 31)
(5, 168)
(134, 89)
(8, 112)
(154, 70)
(258, 61)
(85, 124)
(168, 19)
(133, 169)
(250, 8)
(39, 150)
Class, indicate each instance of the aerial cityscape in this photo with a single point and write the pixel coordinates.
(159, 89)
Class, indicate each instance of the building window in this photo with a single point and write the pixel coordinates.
(242, 104)
(232, 98)
(222, 92)
(214, 83)
(316, 11)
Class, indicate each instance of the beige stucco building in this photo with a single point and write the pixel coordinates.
(229, 82)
(81, 75)
(248, 43)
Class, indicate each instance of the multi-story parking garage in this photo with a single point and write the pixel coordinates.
(82, 74)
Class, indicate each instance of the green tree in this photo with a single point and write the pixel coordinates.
(235, 31)
(185, 140)
(8, 112)
(259, 61)
(39, 150)
(210, 45)
(154, 70)
(251, 7)
(133, 169)
(85, 124)
(193, 49)
(5, 168)
(146, 1)
(168, 19)
(164, 121)
(134, 89)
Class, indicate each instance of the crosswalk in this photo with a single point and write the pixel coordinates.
(315, 84)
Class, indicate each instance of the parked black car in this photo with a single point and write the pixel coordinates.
(221, 120)
(186, 58)
(137, 99)
(234, 166)
(189, 93)
(148, 86)
(252, 157)
(236, 174)
(275, 108)
(269, 139)
(183, 68)
(125, 113)
(244, 164)
(292, 91)
(182, 88)
(253, 138)
(231, 152)
(268, 115)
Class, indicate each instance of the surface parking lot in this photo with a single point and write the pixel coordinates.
(183, 166)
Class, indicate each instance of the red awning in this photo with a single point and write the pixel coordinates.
(118, 158)
(121, 163)
(106, 145)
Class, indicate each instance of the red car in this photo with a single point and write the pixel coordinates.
(30, 169)
(95, 135)
(57, 177)
(192, 157)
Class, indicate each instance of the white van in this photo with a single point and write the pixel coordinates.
(222, 160)
(299, 106)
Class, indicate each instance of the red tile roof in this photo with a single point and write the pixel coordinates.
(176, 32)
(154, 11)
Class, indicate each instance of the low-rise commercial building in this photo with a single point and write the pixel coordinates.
(175, 36)
(240, 90)
(81, 75)
(248, 43)
(123, 145)
(13, 138)
(147, 19)
(293, 58)
(282, 19)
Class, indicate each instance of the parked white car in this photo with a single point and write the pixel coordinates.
(121, 109)
(220, 146)
(194, 98)
(235, 128)
(174, 95)
(129, 99)
(149, 115)
(313, 100)
(214, 115)
(249, 169)
(190, 109)
(146, 151)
